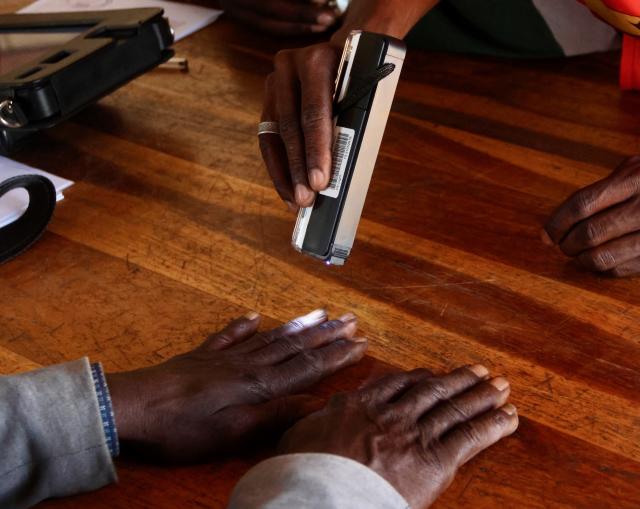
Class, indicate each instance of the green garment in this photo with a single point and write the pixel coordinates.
(505, 28)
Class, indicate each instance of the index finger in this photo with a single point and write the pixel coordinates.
(587, 202)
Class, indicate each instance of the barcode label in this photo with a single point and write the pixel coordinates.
(342, 142)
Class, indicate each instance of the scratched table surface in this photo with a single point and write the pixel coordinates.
(172, 228)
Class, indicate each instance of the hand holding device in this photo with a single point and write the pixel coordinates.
(364, 90)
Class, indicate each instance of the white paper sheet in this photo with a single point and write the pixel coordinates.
(15, 202)
(185, 19)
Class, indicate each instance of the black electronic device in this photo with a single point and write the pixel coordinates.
(53, 65)
(365, 87)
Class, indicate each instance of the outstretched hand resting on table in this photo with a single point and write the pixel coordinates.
(600, 224)
(239, 383)
(414, 429)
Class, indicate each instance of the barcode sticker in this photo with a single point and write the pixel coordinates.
(342, 142)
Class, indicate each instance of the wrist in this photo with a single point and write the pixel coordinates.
(390, 17)
(127, 407)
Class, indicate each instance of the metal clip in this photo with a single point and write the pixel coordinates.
(8, 116)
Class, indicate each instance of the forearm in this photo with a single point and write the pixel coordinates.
(391, 17)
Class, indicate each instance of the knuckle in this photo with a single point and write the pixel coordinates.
(583, 202)
(289, 125)
(470, 432)
(455, 412)
(438, 389)
(601, 260)
(221, 338)
(594, 232)
(256, 384)
(313, 363)
(291, 344)
(388, 416)
(632, 182)
(317, 55)
(313, 116)
(262, 338)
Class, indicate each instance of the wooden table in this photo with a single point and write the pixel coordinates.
(173, 228)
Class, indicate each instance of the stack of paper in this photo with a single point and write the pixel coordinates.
(15, 202)
(184, 19)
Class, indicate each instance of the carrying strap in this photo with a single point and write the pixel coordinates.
(360, 86)
(22, 233)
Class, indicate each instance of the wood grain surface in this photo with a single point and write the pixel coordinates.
(173, 228)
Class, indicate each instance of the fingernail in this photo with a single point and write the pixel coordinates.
(252, 315)
(317, 178)
(500, 383)
(318, 28)
(479, 370)
(326, 19)
(350, 328)
(347, 317)
(303, 194)
(309, 320)
(509, 409)
(359, 340)
(546, 240)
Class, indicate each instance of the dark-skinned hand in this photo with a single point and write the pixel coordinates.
(599, 225)
(412, 428)
(283, 17)
(299, 96)
(238, 385)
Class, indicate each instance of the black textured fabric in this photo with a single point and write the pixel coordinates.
(22, 233)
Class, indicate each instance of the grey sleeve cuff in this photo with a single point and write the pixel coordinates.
(310, 481)
(51, 435)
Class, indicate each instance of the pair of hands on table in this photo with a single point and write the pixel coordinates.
(413, 428)
(599, 225)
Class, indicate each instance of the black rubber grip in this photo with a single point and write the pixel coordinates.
(28, 228)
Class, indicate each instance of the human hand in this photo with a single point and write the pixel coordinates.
(412, 428)
(600, 224)
(283, 17)
(299, 96)
(237, 384)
